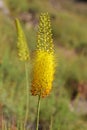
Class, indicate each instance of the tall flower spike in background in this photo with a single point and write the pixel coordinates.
(44, 65)
(23, 54)
(23, 51)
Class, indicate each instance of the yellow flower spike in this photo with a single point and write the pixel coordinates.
(23, 51)
(23, 54)
(44, 64)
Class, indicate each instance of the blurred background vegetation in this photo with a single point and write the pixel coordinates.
(66, 106)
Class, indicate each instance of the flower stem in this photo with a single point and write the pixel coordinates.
(51, 122)
(38, 112)
(27, 94)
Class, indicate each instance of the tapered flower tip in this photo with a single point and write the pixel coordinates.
(23, 52)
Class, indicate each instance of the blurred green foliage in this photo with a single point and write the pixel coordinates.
(70, 36)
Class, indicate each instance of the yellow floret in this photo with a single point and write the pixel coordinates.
(43, 73)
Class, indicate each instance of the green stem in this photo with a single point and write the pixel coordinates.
(51, 122)
(27, 94)
(38, 112)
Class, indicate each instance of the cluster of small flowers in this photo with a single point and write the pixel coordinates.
(44, 61)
